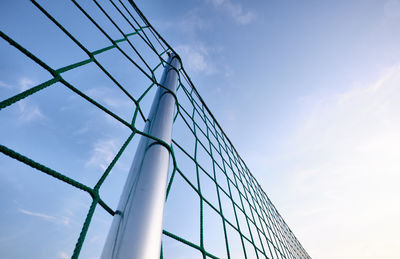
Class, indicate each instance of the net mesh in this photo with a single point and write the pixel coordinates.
(232, 217)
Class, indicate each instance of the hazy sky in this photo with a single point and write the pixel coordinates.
(306, 90)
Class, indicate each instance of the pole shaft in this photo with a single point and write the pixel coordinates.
(137, 227)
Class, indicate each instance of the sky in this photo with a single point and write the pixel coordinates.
(307, 91)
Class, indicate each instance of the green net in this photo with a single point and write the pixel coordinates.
(232, 217)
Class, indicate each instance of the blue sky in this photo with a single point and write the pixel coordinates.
(306, 90)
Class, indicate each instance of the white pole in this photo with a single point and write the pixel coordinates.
(136, 229)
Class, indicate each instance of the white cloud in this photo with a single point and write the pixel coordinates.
(4, 85)
(235, 10)
(28, 110)
(102, 153)
(62, 220)
(192, 22)
(109, 97)
(196, 59)
(63, 255)
(345, 156)
(189, 24)
(82, 130)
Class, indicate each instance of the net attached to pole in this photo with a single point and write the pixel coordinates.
(210, 189)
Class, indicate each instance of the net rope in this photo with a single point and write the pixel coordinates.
(268, 234)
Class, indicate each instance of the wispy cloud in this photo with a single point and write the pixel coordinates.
(109, 97)
(4, 85)
(346, 171)
(28, 110)
(46, 217)
(196, 58)
(82, 130)
(236, 10)
(63, 255)
(188, 24)
(102, 153)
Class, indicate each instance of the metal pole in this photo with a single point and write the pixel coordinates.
(137, 227)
